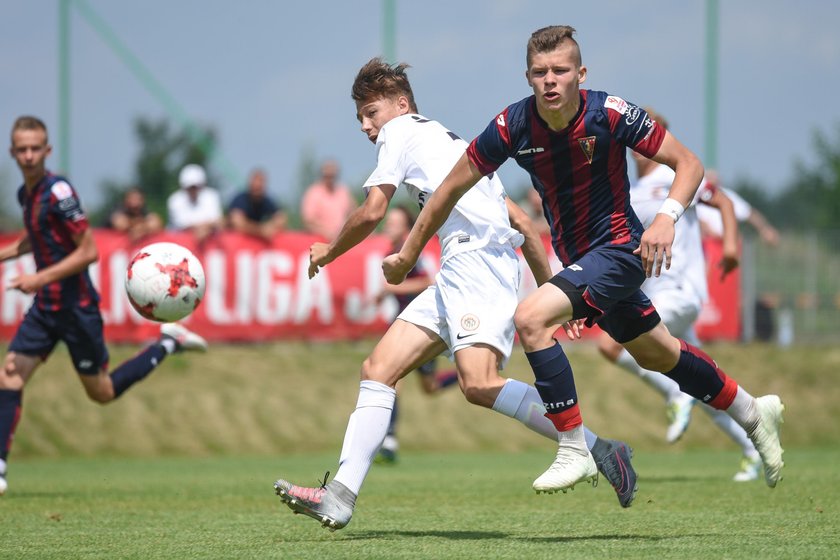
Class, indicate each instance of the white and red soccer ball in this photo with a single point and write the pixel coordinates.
(164, 282)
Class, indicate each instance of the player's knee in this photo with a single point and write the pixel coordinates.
(100, 394)
(527, 327)
(10, 376)
(372, 371)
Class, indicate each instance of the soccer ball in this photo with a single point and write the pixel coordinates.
(164, 282)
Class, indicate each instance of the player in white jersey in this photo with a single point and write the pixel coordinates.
(679, 294)
(467, 313)
(711, 224)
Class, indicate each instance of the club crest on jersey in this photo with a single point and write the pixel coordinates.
(588, 146)
(469, 322)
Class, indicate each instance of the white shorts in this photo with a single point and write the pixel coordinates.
(678, 307)
(472, 300)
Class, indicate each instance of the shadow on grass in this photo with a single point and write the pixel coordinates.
(497, 535)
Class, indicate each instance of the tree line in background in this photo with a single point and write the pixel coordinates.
(810, 201)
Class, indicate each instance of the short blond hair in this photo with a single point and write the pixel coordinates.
(548, 39)
(28, 122)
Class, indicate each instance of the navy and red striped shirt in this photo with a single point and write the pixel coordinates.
(580, 171)
(52, 215)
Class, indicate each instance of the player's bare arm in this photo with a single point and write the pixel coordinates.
(730, 260)
(655, 245)
(76, 262)
(16, 248)
(358, 226)
(533, 249)
(461, 179)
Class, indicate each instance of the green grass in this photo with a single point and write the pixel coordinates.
(181, 466)
(430, 505)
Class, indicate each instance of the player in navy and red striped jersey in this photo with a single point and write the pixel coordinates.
(66, 304)
(573, 144)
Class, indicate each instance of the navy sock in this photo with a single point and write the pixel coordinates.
(698, 375)
(392, 423)
(131, 371)
(10, 408)
(556, 385)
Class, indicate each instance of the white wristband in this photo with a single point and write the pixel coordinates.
(672, 208)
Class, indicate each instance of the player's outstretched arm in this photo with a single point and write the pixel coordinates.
(533, 249)
(723, 203)
(358, 226)
(461, 179)
(655, 245)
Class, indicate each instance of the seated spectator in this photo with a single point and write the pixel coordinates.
(195, 207)
(253, 212)
(133, 218)
(326, 204)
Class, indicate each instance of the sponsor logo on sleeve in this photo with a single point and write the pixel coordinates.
(500, 120)
(617, 104)
(632, 113)
(61, 190)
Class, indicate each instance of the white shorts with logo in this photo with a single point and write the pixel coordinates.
(472, 300)
(678, 307)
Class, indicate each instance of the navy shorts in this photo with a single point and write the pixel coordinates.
(604, 288)
(79, 327)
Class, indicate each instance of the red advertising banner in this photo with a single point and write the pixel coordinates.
(720, 318)
(259, 290)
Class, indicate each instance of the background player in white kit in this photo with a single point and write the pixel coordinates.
(467, 312)
(680, 292)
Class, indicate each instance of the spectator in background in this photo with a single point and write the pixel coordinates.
(195, 207)
(326, 204)
(253, 212)
(133, 218)
(712, 226)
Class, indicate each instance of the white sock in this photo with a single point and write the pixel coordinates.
(168, 344)
(522, 401)
(731, 428)
(392, 444)
(743, 410)
(366, 430)
(662, 383)
(574, 439)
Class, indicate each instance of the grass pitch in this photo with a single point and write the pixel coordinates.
(182, 466)
(430, 505)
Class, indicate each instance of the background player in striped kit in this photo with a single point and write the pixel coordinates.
(66, 305)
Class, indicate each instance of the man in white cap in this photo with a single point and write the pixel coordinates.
(195, 207)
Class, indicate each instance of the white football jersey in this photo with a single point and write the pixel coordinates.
(711, 216)
(419, 153)
(688, 262)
